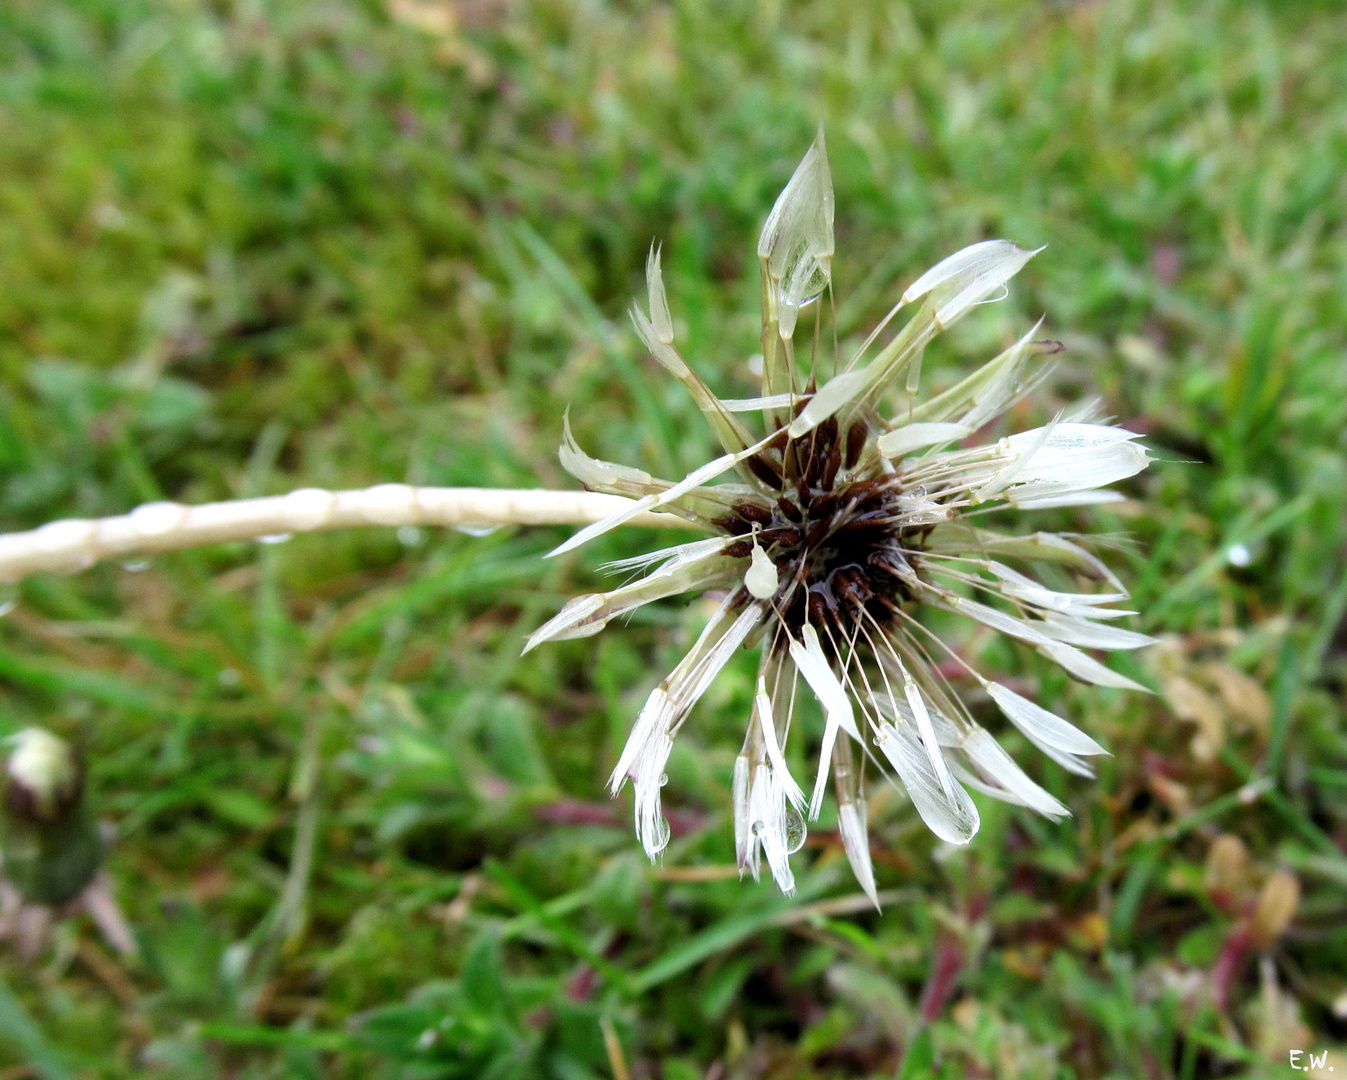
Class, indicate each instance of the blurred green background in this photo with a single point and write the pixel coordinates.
(247, 246)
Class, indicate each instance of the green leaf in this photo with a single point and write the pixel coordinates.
(919, 1057)
(481, 976)
(22, 1032)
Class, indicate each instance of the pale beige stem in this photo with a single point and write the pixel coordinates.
(72, 545)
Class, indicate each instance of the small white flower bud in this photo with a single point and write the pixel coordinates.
(44, 774)
(51, 842)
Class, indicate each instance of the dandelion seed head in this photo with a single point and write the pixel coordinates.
(835, 532)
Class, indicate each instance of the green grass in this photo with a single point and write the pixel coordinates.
(248, 247)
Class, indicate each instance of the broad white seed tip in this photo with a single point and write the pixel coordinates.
(797, 241)
(761, 577)
(835, 394)
(909, 437)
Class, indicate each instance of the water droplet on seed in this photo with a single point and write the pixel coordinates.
(796, 832)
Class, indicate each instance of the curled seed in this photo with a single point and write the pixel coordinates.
(740, 549)
(789, 509)
(852, 586)
(818, 611)
(889, 562)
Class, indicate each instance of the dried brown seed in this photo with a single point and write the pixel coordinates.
(856, 436)
(764, 471)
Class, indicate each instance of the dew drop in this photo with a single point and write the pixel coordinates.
(137, 566)
(275, 538)
(759, 827)
(410, 536)
(663, 779)
(9, 596)
(796, 832)
(476, 530)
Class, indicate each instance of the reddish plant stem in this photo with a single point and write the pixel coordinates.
(945, 968)
(1230, 962)
(951, 953)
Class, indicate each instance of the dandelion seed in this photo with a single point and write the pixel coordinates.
(835, 533)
